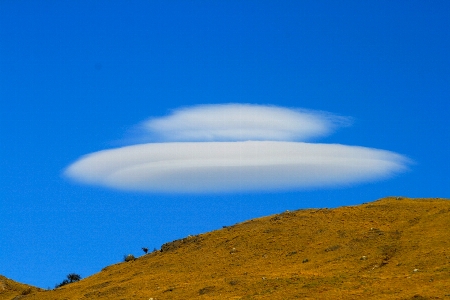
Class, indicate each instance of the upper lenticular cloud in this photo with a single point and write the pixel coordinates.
(241, 122)
(235, 147)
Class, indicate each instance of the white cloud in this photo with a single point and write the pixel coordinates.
(204, 167)
(240, 122)
(235, 147)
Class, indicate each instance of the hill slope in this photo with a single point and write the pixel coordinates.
(393, 248)
(10, 289)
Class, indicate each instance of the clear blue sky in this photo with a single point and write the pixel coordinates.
(77, 76)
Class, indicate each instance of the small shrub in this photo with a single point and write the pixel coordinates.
(145, 249)
(129, 257)
(72, 277)
(64, 282)
(332, 248)
(233, 282)
(207, 289)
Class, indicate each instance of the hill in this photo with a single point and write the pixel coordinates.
(393, 248)
(10, 289)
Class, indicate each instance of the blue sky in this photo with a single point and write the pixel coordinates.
(79, 77)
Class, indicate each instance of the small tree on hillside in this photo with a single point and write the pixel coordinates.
(72, 277)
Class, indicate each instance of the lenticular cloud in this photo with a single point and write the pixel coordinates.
(234, 147)
(241, 122)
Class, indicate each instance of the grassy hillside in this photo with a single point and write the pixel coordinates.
(393, 248)
(10, 289)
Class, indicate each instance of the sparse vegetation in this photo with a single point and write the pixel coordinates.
(342, 253)
(72, 277)
(26, 291)
(129, 257)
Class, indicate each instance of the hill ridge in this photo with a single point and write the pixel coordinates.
(392, 248)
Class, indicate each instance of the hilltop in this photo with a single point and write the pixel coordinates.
(392, 248)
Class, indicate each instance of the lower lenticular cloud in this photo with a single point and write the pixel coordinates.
(233, 166)
(262, 156)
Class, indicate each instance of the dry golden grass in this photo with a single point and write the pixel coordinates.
(393, 248)
(10, 289)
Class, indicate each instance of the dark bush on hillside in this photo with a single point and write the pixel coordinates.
(129, 257)
(72, 277)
